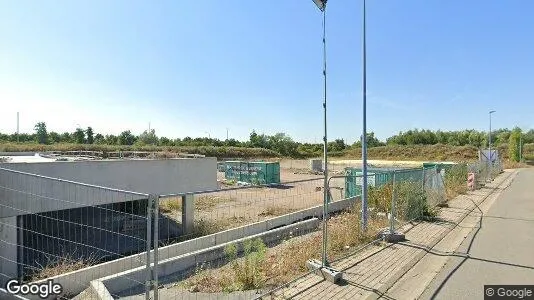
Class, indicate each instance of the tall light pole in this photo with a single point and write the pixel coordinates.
(489, 145)
(18, 132)
(321, 4)
(364, 134)
(226, 133)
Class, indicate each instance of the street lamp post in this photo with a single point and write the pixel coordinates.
(321, 4)
(489, 145)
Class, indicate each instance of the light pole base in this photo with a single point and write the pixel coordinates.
(330, 274)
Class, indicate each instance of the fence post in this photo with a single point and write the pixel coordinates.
(149, 211)
(188, 212)
(423, 181)
(324, 260)
(156, 246)
(393, 200)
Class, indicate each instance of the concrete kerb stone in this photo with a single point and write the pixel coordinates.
(384, 287)
(118, 283)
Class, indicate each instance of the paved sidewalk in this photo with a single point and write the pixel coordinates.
(368, 274)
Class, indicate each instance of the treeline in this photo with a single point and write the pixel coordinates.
(278, 144)
(458, 138)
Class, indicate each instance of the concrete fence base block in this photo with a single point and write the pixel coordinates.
(392, 237)
(330, 274)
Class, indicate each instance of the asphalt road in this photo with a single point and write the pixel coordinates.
(501, 250)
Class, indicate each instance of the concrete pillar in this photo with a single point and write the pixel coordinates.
(9, 252)
(188, 213)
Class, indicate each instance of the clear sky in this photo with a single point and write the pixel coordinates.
(193, 68)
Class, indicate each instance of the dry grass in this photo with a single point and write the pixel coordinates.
(273, 211)
(456, 181)
(514, 165)
(61, 266)
(288, 260)
(201, 203)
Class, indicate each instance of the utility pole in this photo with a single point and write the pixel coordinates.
(226, 133)
(489, 145)
(18, 132)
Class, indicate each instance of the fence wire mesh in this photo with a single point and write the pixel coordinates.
(254, 243)
(50, 227)
(231, 242)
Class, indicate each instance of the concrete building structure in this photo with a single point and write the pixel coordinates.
(57, 199)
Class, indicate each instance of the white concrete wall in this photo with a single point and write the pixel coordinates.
(22, 194)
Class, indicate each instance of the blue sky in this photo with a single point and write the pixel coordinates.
(193, 68)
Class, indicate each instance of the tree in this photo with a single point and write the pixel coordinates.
(99, 139)
(372, 141)
(111, 139)
(165, 141)
(89, 133)
(283, 144)
(41, 135)
(66, 137)
(259, 141)
(513, 144)
(54, 137)
(337, 145)
(79, 136)
(126, 138)
(148, 138)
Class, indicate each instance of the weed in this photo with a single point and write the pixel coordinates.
(456, 180)
(201, 203)
(273, 211)
(62, 265)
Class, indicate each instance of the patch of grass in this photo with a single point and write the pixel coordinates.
(209, 202)
(170, 205)
(456, 181)
(248, 271)
(62, 265)
(514, 165)
(273, 211)
(201, 203)
(274, 266)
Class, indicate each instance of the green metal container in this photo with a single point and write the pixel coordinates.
(253, 172)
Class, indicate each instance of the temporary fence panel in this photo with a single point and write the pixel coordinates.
(54, 227)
